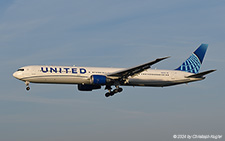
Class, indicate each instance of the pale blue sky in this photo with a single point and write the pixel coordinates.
(119, 33)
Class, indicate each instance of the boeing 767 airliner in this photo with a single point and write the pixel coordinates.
(91, 78)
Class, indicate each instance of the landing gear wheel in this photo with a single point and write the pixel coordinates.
(27, 88)
(115, 91)
(111, 93)
(120, 90)
(107, 94)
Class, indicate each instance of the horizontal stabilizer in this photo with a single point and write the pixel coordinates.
(199, 75)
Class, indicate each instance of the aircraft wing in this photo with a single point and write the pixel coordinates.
(199, 75)
(135, 70)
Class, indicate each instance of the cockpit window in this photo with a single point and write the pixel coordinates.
(20, 70)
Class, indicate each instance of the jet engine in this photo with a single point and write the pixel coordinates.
(99, 80)
(87, 87)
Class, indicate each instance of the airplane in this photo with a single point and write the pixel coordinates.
(92, 78)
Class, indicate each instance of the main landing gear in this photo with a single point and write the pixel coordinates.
(27, 84)
(111, 93)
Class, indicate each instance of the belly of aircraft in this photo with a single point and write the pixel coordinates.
(60, 79)
(149, 82)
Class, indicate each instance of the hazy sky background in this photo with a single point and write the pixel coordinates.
(116, 33)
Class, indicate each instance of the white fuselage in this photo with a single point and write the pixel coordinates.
(81, 75)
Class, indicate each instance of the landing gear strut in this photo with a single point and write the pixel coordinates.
(111, 93)
(27, 84)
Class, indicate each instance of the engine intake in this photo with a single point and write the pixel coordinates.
(87, 87)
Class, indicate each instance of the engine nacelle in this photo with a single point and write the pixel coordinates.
(87, 87)
(99, 80)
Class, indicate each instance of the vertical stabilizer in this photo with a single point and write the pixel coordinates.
(193, 63)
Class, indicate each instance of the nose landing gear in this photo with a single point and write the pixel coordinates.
(27, 84)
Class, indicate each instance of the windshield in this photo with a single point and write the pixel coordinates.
(20, 70)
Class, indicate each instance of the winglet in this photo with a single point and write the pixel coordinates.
(160, 59)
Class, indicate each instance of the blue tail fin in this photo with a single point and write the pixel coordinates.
(193, 63)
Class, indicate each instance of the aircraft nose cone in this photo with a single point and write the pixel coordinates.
(15, 74)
